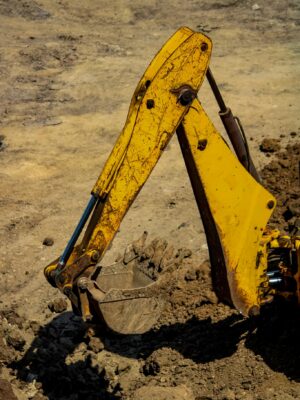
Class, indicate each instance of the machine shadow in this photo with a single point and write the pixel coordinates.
(199, 340)
(46, 362)
(274, 336)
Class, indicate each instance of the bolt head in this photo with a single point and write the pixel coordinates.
(150, 104)
(202, 144)
(204, 46)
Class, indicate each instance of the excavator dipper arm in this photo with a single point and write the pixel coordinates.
(160, 101)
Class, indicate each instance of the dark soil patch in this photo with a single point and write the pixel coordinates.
(281, 178)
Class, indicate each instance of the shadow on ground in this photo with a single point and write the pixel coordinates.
(46, 361)
(274, 336)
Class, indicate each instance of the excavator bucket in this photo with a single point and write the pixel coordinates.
(129, 304)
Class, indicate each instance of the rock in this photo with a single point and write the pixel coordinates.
(151, 367)
(255, 7)
(15, 339)
(269, 145)
(95, 344)
(12, 317)
(164, 393)
(48, 241)
(35, 327)
(6, 391)
(191, 275)
(183, 253)
(50, 121)
(284, 163)
(58, 305)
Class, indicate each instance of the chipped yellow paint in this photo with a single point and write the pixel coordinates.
(182, 61)
(176, 54)
(238, 205)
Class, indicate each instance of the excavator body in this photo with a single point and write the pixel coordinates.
(250, 261)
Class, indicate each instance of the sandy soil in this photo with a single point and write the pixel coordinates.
(67, 73)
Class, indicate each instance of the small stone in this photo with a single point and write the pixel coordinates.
(58, 305)
(48, 241)
(95, 344)
(35, 326)
(284, 163)
(16, 340)
(269, 145)
(151, 367)
(255, 7)
(191, 275)
(50, 121)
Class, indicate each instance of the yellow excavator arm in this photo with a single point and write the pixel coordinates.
(234, 206)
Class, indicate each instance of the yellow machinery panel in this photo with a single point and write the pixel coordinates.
(240, 207)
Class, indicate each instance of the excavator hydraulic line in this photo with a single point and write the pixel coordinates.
(71, 244)
(233, 128)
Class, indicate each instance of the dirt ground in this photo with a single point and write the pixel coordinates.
(67, 72)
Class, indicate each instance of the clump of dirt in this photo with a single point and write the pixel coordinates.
(20, 8)
(57, 305)
(42, 57)
(282, 178)
(269, 145)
